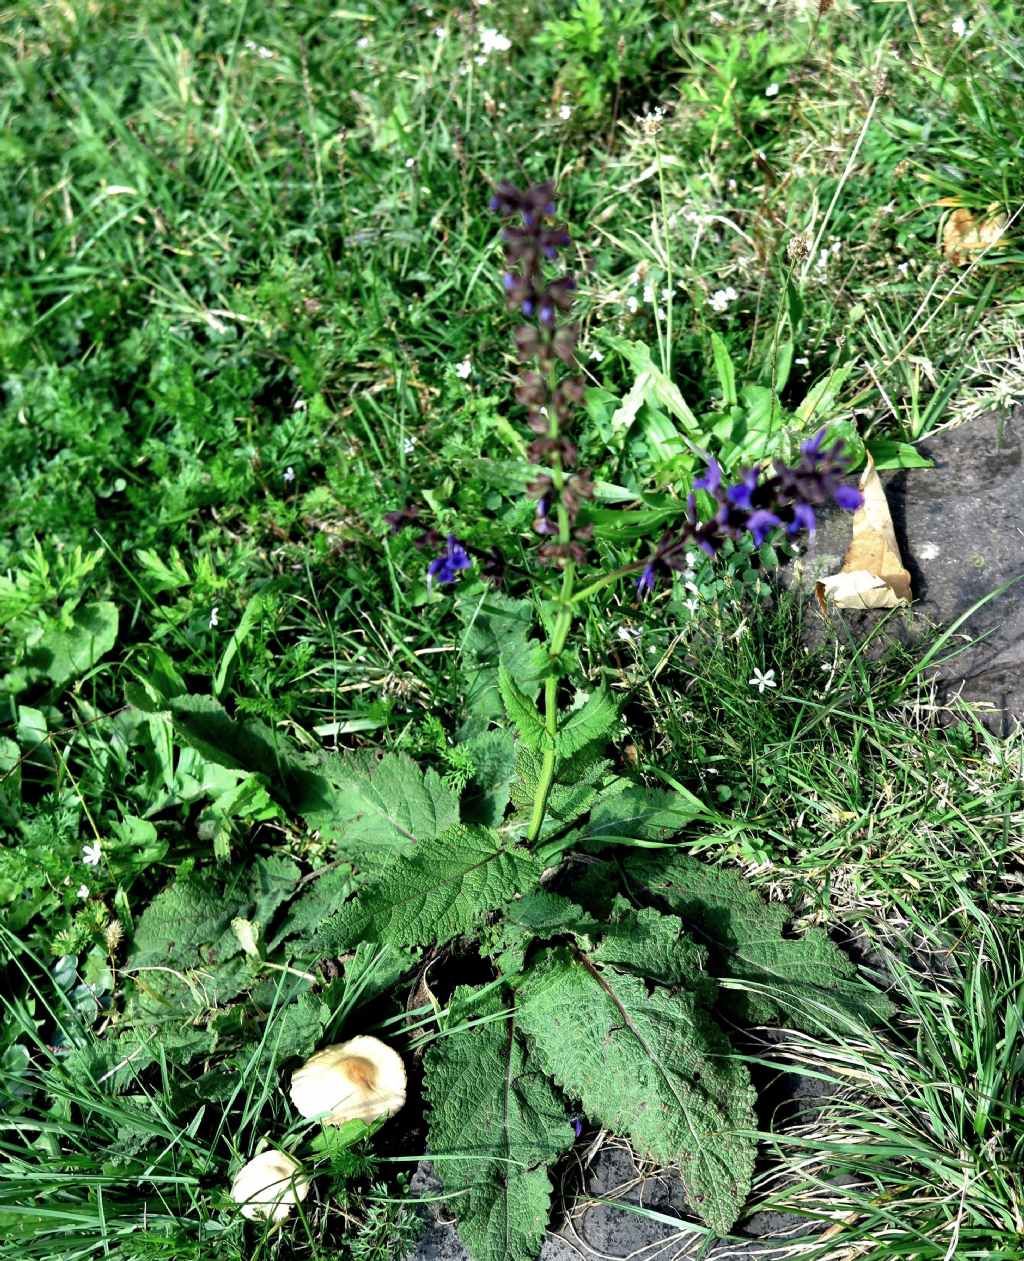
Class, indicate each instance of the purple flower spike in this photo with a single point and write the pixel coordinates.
(527, 306)
(445, 568)
(546, 315)
(507, 279)
(848, 498)
(761, 523)
(645, 583)
(711, 480)
(812, 446)
(803, 519)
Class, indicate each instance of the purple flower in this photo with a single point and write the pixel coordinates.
(711, 480)
(848, 498)
(577, 1126)
(508, 279)
(761, 523)
(645, 583)
(812, 447)
(803, 519)
(445, 568)
(740, 494)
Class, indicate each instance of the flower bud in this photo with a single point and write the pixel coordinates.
(269, 1185)
(363, 1078)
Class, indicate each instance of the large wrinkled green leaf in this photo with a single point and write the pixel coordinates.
(801, 981)
(651, 1066)
(496, 1125)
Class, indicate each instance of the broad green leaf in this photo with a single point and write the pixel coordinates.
(521, 711)
(887, 453)
(817, 406)
(244, 745)
(651, 1066)
(64, 654)
(803, 982)
(373, 802)
(725, 371)
(497, 629)
(638, 815)
(592, 721)
(495, 1127)
(659, 947)
(658, 388)
(250, 616)
(440, 888)
(494, 762)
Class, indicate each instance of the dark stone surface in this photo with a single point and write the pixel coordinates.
(960, 527)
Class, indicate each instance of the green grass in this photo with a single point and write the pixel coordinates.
(243, 254)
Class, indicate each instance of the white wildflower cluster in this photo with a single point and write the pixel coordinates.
(491, 41)
(721, 299)
(264, 54)
(959, 26)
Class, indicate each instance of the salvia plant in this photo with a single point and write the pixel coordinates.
(604, 953)
(606, 964)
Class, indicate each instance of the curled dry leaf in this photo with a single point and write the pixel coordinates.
(965, 235)
(872, 576)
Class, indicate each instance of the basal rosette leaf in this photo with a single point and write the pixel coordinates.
(496, 1125)
(441, 889)
(802, 982)
(651, 1066)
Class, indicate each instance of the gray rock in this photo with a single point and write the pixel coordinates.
(960, 527)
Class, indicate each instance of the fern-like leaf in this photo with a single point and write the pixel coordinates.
(440, 889)
(652, 1066)
(496, 1124)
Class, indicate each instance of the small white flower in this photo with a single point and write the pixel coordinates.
(91, 854)
(772, 89)
(464, 369)
(492, 41)
(692, 560)
(632, 304)
(440, 32)
(565, 112)
(692, 605)
(666, 294)
(958, 26)
(716, 18)
(214, 616)
(721, 298)
(83, 891)
(363, 41)
(410, 163)
(903, 268)
(408, 445)
(629, 634)
(299, 405)
(648, 293)
(731, 185)
(289, 474)
(595, 355)
(761, 681)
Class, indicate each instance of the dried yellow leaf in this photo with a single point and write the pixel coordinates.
(965, 234)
